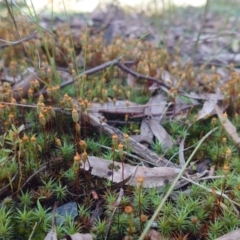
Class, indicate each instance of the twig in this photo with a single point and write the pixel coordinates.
(9, 43)
(92, 71)
(33, 230)
(140, 76)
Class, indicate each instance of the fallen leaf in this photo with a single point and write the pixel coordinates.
(155, 107)
(153, 177)
(160, 133)
(234, 235)
(154, 235)
(79, 236)
(231, 130)
(208, 107)
(145, 130)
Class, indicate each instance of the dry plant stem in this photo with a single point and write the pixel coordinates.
(33, 230)
(146, 229)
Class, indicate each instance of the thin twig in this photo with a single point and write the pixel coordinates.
(140, 76)
(10, 44)
(33, 230)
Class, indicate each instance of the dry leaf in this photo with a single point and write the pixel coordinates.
(154, 235)
(234, 235)
(145, 130)
(160, 133)
(155, 107)
(79, 236)
(231, 130)
(208, 107)
(153, 177)
(52, 235)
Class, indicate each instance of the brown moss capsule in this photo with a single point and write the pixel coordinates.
(30, 93)
(58, 142)
(42, 119)
(77, 158)
(83, 145)
(115, 140)
(11, 117)
(120, 150)
(75, 115)
(128, 209)
(25, 138)
(84, 156)
(228, 153)
(140, 180)
(143, 218)
(194, 219)
(226, 169)
(77, 127)
(33, 139)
